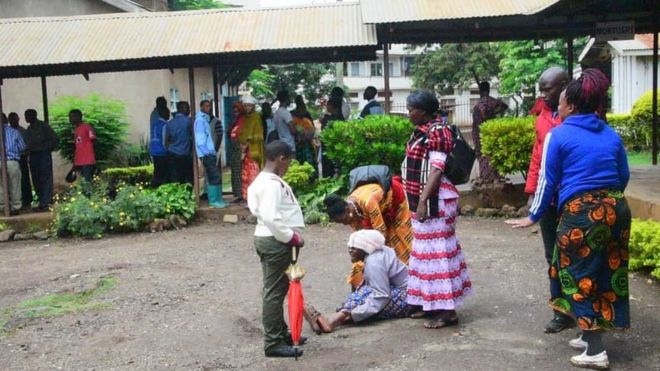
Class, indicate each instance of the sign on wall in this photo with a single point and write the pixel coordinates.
(608, 31)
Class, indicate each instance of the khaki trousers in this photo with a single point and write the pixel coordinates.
(14, 181)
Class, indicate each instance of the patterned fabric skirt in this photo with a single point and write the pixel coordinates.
(437, 273)
(305, 153)
(590, 263)
(236, 164)
(396, 308)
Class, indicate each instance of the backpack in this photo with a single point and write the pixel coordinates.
(379, 174)
(461, 159)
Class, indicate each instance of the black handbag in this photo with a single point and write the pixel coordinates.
(461, 159)
(71, 176)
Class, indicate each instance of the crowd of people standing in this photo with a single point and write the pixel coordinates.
(29, 162)
(406, 258)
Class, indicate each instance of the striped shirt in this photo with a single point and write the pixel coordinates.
(14, 143)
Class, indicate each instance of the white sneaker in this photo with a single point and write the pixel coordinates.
(596, 362)
(578, 344)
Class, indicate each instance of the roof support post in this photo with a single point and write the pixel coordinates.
(386, 74)
(3, 156)
(570, 58)
(193, 110)
(655, 96)
(44, 98)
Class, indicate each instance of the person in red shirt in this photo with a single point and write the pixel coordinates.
(551, 83)
(84, 158)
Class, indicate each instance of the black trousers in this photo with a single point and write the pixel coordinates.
(87, 172)
(26, 187)
(181, 169)
(41, 167)
(161, 171)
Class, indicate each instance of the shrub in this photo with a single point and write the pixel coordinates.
(107, 116)
(128, 175)
(642, 117)
(299, 176)
(627, 130)
(176, 199)
(508, 142)
(377, 139)
(644, 246)
(312, 200)
(133, 208)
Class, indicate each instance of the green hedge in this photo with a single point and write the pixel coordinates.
(644, 246)
(128, 175)
(377, 139)
(92, 214)
(508, 142)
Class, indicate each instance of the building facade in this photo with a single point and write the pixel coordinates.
(359, 75)
(138, 89)
(628, 64)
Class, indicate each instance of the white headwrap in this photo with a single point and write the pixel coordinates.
(248, 99)
(367, 240)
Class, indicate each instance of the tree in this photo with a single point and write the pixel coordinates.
(196, 4)
(524, 61)
(107, 117)
(315, 79)
(455, 65)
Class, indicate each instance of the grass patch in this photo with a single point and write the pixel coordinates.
(34, 228)
(54, 305)
(639, 158)
(59, 304)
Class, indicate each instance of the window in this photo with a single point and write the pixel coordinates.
(407, 65)
(355, 69)
(390, 68)
(376, 69)
(353, 95)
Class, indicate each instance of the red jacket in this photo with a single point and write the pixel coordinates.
(545, 122)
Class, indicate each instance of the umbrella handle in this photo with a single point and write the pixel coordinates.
(294, 254)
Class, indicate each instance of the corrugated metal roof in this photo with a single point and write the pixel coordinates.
(393, 11)
(116, 37)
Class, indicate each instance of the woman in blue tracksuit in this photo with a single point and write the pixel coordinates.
(585, 169)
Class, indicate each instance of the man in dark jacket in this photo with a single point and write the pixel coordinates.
(41, 142)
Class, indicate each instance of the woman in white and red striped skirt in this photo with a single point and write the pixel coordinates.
(438, 278)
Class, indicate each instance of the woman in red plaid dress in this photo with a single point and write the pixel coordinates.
(438, 278)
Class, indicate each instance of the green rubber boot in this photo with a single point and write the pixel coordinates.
(215, 197)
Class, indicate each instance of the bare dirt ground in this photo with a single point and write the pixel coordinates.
(190, 300)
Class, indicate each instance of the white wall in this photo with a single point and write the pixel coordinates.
(138, 90)
(632, 76)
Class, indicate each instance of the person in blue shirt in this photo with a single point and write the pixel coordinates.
(155, 114)
(179, 145)
(584, 167)
(157, 147)
(205, 148)
(14, 145)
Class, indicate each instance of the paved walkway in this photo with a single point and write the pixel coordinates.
(643, 192)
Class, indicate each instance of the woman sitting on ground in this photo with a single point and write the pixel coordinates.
(368, 207)
(382, 294)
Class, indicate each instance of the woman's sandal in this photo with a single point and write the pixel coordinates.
(311, 316)
(441, 322)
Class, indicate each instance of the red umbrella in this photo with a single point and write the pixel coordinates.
(296, 300)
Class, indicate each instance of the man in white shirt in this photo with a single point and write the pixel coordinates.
(279, 221)
(284, 121)
(372, 107)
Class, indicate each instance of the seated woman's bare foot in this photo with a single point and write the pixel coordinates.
(440, 321)
(311, 316)
(324, 324)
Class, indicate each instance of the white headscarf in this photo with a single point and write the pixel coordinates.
(248, 99)
(367, 240)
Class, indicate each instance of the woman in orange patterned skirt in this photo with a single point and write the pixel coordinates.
(369, 207)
